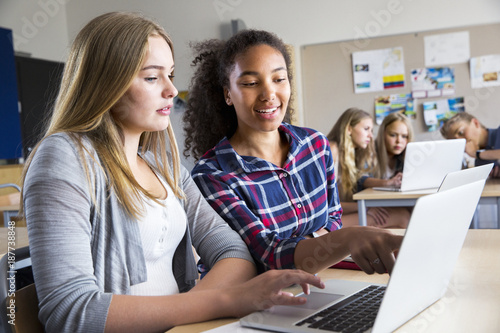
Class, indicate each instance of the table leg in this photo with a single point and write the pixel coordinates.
(475, 218)
(498, 213)
(362, 212)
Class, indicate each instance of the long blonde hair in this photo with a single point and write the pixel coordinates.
(382, 157)
(353, 162)
(104, 59)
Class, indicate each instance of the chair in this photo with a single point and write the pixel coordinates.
(10, 202)
(20, 307)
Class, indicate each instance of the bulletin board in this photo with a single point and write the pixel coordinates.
(328, 83)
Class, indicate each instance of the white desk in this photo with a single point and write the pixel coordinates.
(373, 198)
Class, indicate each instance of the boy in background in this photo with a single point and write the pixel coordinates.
(482, 143)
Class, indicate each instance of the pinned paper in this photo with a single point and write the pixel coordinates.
(437, 112)
(378, 70)
(384, 105)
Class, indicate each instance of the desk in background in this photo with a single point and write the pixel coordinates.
(373, 198)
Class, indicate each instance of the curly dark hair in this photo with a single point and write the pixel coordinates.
(208, 118)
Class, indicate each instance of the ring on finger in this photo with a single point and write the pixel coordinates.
(376, 261)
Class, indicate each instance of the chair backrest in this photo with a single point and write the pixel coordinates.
(18, 299)
(11, 185)
(8, 202)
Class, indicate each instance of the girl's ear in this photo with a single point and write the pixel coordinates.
(227, 97)
(348, 130)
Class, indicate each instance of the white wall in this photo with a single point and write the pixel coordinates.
(39, 27)
(54, 23)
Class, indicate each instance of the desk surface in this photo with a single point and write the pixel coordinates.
(491, 189)
(470, 305)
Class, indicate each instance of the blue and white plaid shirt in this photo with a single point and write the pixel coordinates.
(273, 208)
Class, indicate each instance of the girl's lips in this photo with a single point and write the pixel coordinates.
(165, 111)
(270, 113)
(268, 110)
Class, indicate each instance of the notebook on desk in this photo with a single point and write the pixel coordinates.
(425, 263)
(427, 163)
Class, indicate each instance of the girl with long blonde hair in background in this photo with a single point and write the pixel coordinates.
(353, 150)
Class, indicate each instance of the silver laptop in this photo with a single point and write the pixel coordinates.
(427, 163)
(420, 276)
(465, 176)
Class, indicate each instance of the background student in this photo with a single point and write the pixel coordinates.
(272, 182)
(394, 134)
(479, 139)
(110, 225)
(351, 142)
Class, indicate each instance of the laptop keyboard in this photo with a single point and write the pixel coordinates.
(356, 313)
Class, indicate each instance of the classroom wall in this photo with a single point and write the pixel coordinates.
(327, 74)
(44, 28)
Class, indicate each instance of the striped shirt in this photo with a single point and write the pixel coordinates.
(271, 207)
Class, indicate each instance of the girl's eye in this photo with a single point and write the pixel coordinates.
(249, 84)
(150, 79)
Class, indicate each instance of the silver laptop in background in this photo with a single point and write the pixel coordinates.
(465, 176)
(427, 163)
(420, 276)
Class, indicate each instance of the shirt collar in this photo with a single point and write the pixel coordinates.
(231, 161)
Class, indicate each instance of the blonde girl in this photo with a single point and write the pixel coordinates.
(351, 141)
(394, 134)
(353, 149)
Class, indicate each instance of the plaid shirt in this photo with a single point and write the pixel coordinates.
(273, 208)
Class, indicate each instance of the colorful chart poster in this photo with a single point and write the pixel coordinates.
(378, 70)
(432, 82)
(437, 112)
(384, 105)
(485, 71)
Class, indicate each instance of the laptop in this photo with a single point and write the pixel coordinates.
(425, 263)
(465, 176)
(427, 163)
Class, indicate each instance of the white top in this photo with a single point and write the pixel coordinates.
(162, 228)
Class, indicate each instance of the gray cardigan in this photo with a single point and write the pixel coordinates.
(83, 253)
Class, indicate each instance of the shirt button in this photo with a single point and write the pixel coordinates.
(160, 240)
(164, 228)
(299, 206)
(285, 175)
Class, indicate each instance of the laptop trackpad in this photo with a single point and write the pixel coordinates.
(314, 302)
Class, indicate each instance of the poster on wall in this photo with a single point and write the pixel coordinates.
(437, 112)
(378, 70)
(403, 103)
(485, 71)
(443, 49)
(432, 82)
